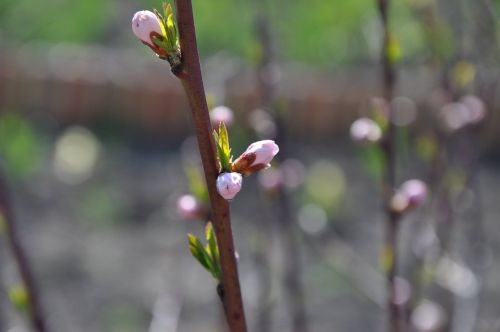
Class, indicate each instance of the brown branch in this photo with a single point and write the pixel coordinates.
(190, 75)
(286, 221)
(34, 308)
(388, 187)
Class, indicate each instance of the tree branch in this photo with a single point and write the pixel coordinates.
(34, 308)
(190, 76)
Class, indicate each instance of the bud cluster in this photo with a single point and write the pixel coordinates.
(256, 157)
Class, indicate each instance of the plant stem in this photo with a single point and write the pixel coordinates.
(34, 308)
(294, 289)
(389, 77)
(190, 75)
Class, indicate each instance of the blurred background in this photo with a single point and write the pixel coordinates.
(97, 147)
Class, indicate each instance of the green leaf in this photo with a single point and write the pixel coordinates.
(204, 257)
(223, 149)
(198, 252)
(213, 249)
(167, 9)
(171, 33)
(19, 297)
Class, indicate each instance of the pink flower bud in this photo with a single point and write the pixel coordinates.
(221, 114)
(229, 184)
(189, 208)
(455, 115)
(145, 25)
(256, 157)
(411, 194)
(416, 191)
(475, 106)
(366, 131)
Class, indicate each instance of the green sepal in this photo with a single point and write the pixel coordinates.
(223, 149)
(162, 43)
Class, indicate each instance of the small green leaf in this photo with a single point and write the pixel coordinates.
(167, 9)
(223, 149)
(213, 249)
(203, 256)
(19, 297)
(171, 33)
(198, 251)
(160, 17)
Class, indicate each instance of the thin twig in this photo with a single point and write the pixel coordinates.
(190, 75)
(389, 78)
(35, 312)
(286, 220)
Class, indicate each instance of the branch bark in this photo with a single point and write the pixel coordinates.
(190, 76)
(35, 312)
(389, 150)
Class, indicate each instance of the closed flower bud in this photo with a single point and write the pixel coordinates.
(412, 194)
(416, 191)
(229, 184)
(158, 33)
(144, 23)
(189, 208)
(476, 108)
(365, 130)
(256, 157)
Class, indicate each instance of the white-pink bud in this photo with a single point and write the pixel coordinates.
(366, 131)
(189, 208)
(455, 115)
(229, 184)
(221, 114)
(144, 23)
(475, 106)
(264, 151)
(256, 157)
(416, 191)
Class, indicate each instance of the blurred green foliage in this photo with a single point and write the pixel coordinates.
(20, 145)
(18, 297)
(314, 31)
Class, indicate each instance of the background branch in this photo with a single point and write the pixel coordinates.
(34, 308)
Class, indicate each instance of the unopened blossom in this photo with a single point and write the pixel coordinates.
(229, 184)
(189, 207)
(160, 34)
(416, 191)
(476, 108)
(146, 25)
(455, 115)
(221, 114)
(256, 157)
(366, 131)
(411, 194)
